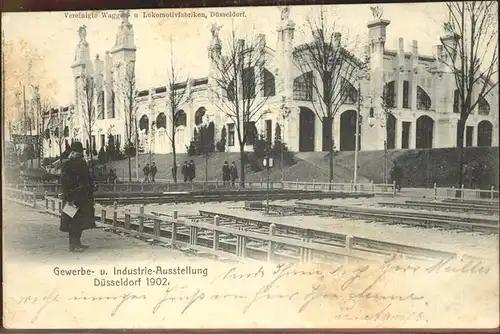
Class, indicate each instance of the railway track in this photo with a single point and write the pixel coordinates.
(427, 220)
(223, 197)
(442, 206)
(327, 238)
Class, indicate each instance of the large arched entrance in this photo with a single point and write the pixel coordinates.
(391, 131)
(484, 133)
(425, 130)
(348, 131)
(306, 130)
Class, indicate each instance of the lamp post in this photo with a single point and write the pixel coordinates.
(268, 163)
(202, 130)
(356, 148)
(285, 112)
(383, 125)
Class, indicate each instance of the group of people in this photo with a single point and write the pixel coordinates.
(188, 171)
(229, 173)
(150, 172)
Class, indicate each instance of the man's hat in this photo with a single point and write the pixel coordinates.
(77, 147)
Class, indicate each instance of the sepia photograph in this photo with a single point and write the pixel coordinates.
(275, 167)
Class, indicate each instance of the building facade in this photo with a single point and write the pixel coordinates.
(423, 111)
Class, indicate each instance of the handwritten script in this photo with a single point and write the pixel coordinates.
(365, 292)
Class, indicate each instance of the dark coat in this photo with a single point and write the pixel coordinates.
(234, 172)
(226, 173)
(397, 174)
(78, 187)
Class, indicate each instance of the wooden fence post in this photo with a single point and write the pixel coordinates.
(462, 193)
(270, 246)
(348, 242)
(115, 214)
(215, 244)
(34, 199)
(103, 215)
(59, 197)
(46, 200)
(435, 192)
(127, 220)
(193, 235)
(53, 204)
(141, 219)
(174, 231)
(156, 228)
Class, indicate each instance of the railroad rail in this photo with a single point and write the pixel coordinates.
(241, 243)
(376, 189)
(443, 206)
(394, 217)
(326, 237)
(198, 197)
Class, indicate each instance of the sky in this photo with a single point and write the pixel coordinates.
(54, 36)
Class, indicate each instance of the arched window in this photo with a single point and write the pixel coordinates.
(180, 118)
(349, 93)
(161, 121)
(269, 83)
(100, 105)
(303, 87)
(389, 95)
(248, 83)
(483, 106)
(198, 116)
(456, 101)
(144, 123)
(423, 100)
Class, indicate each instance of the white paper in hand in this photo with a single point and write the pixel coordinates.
(70, 209)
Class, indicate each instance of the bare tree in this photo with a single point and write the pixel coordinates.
(89, 109)
(177, 93)
(239, 86)
(129, 91)
(328, 68)
(472, 57)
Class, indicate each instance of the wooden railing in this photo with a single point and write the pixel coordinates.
(372, 188)
(463, 194)
(235, 242)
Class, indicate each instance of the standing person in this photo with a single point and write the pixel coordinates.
(146, 171)
(234, 173)
(154, 170)
(77, 188)
(192, 170)
(184, 171)
(397, 175)
(226, 173)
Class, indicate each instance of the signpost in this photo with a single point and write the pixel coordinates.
(268, 163)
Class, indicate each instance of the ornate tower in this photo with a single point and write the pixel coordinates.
(123, 59)
(376, 39)
(284, 52)
(214, 52)
(82, 67)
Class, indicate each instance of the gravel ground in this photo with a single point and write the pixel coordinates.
(31, 236)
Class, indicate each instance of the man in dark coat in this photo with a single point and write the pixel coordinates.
(226, 173)
(154, 170)
(184, 171)
(78, 188)
(146, 171)
(234, 173)
(397, 175)
(192, 170)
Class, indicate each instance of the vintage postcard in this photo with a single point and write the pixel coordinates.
(319, 166)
